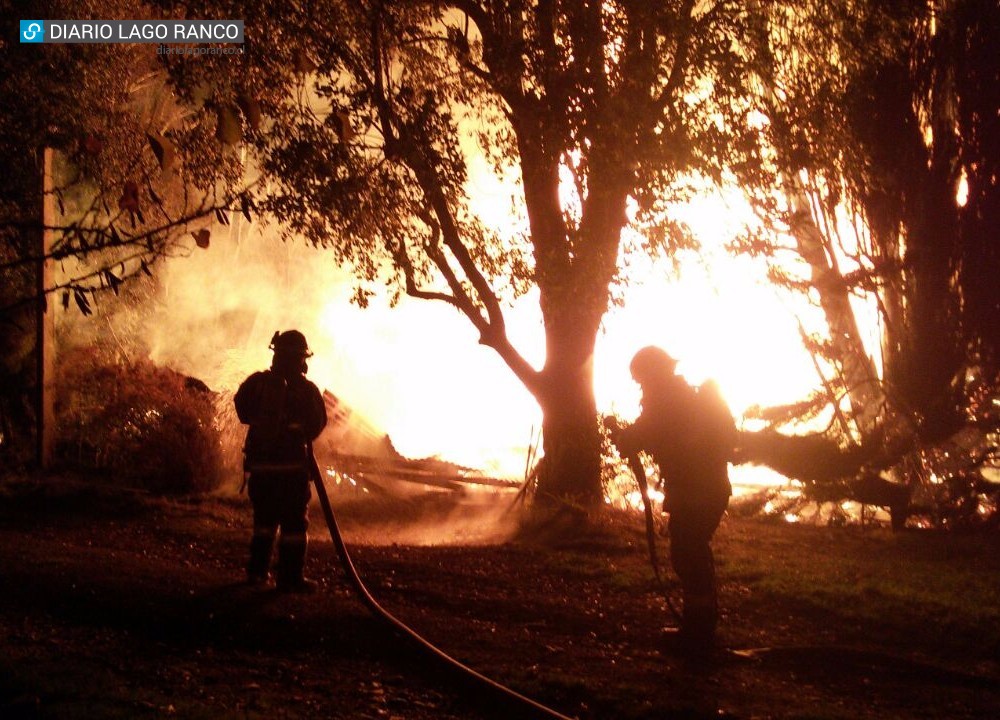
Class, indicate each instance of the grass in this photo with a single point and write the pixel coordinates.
(908, 580)
(863, 623)
(940, 585)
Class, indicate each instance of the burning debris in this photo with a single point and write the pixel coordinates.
(947, 485)
(357, 456)
(149, 426)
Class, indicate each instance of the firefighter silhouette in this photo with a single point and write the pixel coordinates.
(690, 434)
(285, 412)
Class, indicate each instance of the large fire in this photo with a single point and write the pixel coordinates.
(415, 373)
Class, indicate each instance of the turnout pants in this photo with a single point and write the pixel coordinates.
(691, 527)
(279, 502)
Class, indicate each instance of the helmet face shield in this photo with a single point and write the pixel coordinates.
(290, 342)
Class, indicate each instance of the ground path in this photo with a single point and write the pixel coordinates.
(114, 605)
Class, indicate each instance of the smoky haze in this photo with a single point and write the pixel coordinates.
(414, 371)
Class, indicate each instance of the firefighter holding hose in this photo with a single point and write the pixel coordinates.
(690, 434)
(285, 412)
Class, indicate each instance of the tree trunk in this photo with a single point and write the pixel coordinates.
(570, 436)
(935, 353)
(573, 277)
(859, 377)
(916, 226)
(930, 215)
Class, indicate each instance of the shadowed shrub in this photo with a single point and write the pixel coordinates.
(142, 425)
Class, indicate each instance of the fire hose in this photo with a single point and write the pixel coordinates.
(517, 705)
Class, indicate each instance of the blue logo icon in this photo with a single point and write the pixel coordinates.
(32, 31)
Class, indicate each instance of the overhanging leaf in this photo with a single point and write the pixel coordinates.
(303, 63)
(113, 280)
(246, 206)
(130, 197)
(344, 130)
(251, 110)
(82, 302)
(202, 238)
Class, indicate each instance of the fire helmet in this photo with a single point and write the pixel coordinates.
(290, 342)
(652, 364)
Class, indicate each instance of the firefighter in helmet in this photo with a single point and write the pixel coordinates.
(285, 412)
(690, 434)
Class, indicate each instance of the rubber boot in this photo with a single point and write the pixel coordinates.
(259, 565)
(699, 623)
(291, 563)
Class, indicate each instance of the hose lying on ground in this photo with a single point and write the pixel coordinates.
(515, 704)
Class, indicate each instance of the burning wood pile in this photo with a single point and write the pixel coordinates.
(953, 484)
(137, 424)
(360, 458)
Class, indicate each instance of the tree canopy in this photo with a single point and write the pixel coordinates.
(133, 172)
(604, 111)
(878, 122)
(357, 126)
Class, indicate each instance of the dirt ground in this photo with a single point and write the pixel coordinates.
(116, 605)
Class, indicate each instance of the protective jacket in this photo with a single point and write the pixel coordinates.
(284, 414)
(690, 434)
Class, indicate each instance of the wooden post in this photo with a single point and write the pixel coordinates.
(46, 320)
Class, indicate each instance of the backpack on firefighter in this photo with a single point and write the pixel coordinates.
(716, 421)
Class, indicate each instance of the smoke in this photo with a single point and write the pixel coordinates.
(414, 371)
(474, 517)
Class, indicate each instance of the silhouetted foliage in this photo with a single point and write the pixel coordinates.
(881, 180)
(371, 116)
(133, 174)
(132, 171)
(145, 426)
(884, 115)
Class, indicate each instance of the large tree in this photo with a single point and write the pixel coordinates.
(926, 122)
(883, 121)
(882, 113)
(602, 109)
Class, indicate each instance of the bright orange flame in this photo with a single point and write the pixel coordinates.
(417, 370)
